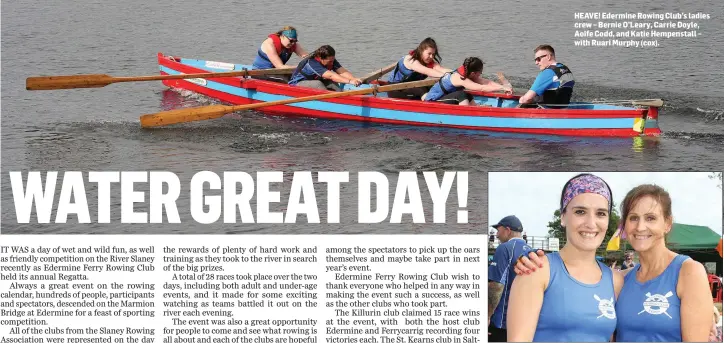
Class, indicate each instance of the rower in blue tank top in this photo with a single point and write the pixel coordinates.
(574, 311)
(573, 297)
(652, 307)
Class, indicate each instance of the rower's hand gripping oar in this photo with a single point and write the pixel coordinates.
(101, 80)
(216, 111)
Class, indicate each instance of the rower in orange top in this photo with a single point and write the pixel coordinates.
(420, 63)
(276, 51)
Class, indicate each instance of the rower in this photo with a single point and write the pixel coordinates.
(554, 84)
(276, 50)
(321, 70)
(415, 66)
(450, 89)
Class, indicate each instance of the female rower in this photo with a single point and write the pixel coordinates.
(276, 50)
(321, 70)
(417, 65)
(452, 86)
(572, 298)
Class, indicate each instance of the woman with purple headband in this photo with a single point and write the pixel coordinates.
(573, 298)
(666, 297)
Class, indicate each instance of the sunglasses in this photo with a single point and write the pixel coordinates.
(291, 39)
(537, 59)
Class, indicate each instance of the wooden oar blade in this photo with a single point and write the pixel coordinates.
(649, 102)
(67, 82)
(185, 115)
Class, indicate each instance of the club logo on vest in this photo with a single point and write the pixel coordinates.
(606, 307)
(657, 304)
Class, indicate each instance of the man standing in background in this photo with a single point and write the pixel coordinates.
(501, 275)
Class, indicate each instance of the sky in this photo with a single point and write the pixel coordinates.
(534, 196)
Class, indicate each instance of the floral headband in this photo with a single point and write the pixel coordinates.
(585, 183)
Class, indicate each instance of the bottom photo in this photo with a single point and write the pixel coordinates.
(605, 256)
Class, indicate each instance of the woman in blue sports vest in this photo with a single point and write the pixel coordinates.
(666, 297)
(452, 86)
(321, 70)
(419, 64)
(276, 50)
(573, 298)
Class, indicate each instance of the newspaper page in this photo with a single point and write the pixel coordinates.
(367, 172)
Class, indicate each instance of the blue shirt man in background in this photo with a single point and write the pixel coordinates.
(501, 274)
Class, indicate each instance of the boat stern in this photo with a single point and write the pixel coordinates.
(651, 122)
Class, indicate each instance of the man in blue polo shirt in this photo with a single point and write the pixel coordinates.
(501, 275)
(554, 84)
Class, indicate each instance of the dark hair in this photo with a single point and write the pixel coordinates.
(426, 43)
(659, 194)
(323, 52)
(472, 65)
(563, 192)
(545, 47)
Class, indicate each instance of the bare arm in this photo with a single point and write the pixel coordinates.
(347, 75)
(343, 76)
(696, 302)
(495, 292)
(525, 302)
(528, 97)
(299, 50)
(415, 65)
(442, 69)
(271, 53)
(483, 85)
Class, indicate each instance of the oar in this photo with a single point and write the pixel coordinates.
(376, 74)
(217, 111)
(639, 102)
(101, 80)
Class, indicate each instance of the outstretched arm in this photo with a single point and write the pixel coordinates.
(348, 77)
(415, 65)
(484, 85)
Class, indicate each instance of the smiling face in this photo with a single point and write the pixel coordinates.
(586, 221)
(646, 224)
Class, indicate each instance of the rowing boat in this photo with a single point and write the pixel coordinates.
(498, 113)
